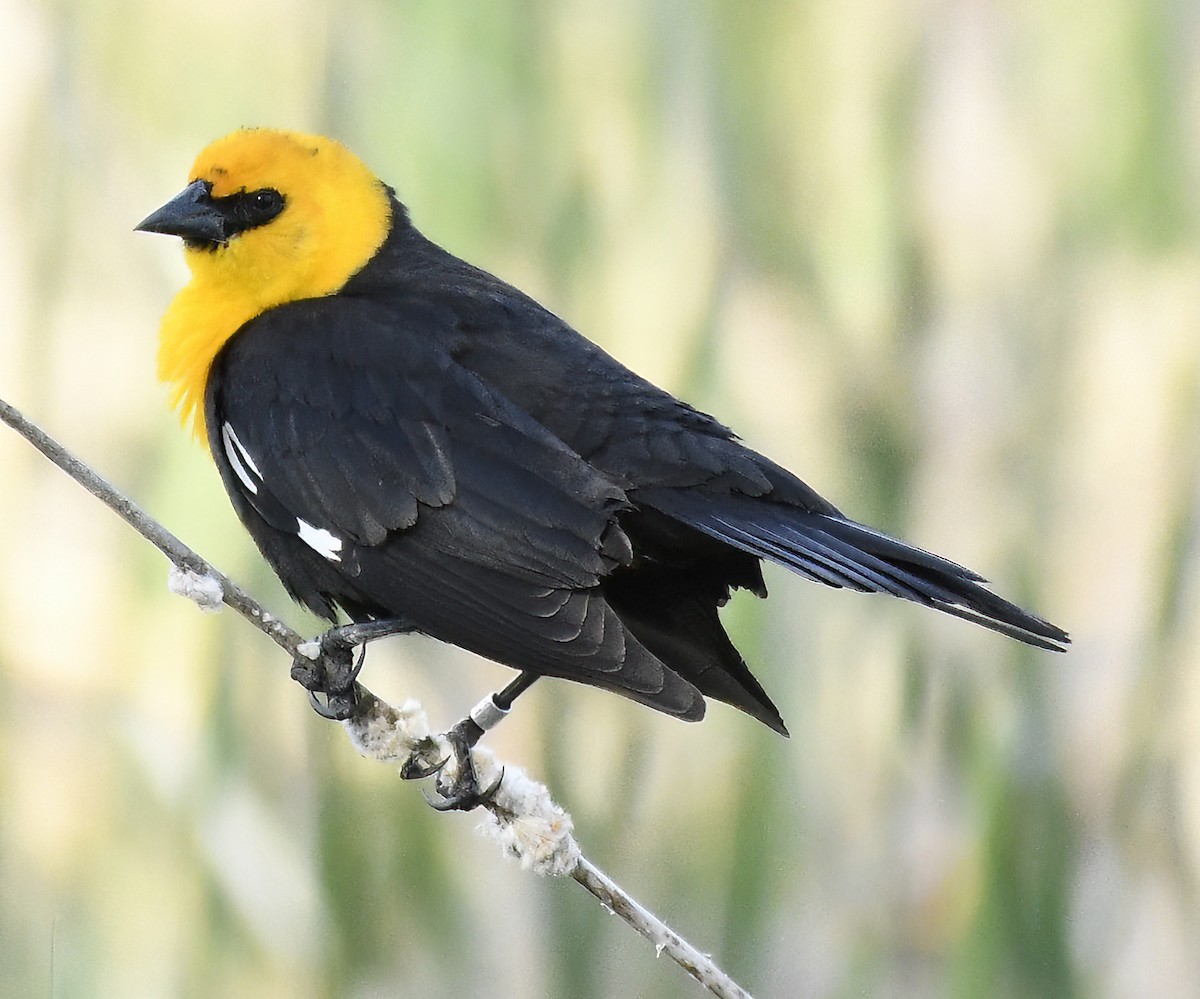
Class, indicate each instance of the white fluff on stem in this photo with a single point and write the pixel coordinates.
(529, 825)
(204, 591)
(522, 817)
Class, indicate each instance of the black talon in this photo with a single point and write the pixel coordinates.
(489, 794)
(463, 793)
(335, 707)
(321, 707)
(464, 801)
(332, 674)
(412, 770)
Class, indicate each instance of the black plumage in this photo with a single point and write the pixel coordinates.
(432, 445)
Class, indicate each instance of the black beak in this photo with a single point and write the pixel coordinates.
(191, 214)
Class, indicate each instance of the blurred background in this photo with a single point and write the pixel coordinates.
(941, 258)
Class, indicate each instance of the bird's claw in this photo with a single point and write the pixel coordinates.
(418, 767)
(335, 707)
(457, 790)
(331, 675)
(464, 793)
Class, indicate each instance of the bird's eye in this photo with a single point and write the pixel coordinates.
(265, 204)
(246, 210)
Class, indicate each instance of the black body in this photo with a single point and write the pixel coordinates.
(501, 483)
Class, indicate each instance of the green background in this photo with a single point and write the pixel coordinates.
(940, 258)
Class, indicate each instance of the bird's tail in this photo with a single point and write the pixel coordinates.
(839, 552)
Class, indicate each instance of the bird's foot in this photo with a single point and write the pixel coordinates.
(458, 785)
(327, 669)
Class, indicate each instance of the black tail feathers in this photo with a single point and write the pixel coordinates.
(839, 552)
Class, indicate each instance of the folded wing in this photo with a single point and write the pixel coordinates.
(363, 458)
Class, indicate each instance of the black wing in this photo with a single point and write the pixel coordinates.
(377, 474)
(667, 455)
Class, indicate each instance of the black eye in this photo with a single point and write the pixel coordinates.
(264, 205)
(248, 209)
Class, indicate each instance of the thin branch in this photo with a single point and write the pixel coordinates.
(666, 941)
(180, 554)
(522, 816)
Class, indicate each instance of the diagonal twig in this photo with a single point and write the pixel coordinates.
(180, 554)
(522, 817)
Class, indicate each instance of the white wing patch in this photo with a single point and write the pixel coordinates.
(239, 459)
(320, 540)
(323, 542)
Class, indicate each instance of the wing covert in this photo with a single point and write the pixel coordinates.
(327, 412)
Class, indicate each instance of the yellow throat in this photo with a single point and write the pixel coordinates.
(336, 215)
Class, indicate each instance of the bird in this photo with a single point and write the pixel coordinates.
(415, 443)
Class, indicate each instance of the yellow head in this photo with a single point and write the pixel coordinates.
(268, 217)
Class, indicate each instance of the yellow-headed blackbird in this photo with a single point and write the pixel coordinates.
(410, 439)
